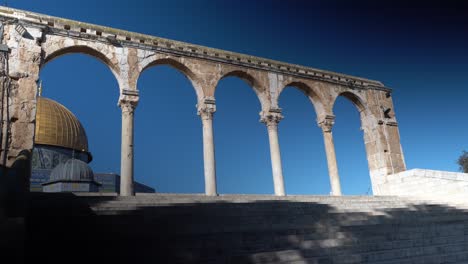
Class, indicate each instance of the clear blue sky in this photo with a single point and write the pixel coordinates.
(418, 50)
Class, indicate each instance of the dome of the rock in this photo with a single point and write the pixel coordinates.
(57, 126)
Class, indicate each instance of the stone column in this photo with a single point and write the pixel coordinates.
(271, 120)
(126, 162)
(206, 109)
(326, 124)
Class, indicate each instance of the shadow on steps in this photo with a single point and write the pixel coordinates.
(67, 228)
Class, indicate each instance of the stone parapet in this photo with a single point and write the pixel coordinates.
(429, 184)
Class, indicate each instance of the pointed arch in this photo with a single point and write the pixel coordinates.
(355, 99)
(302, 147)
(352, 145)
(359, 103)
(253, 82)
(175, 108)
(81, 75)
(314, 98)
(83, 49)
(180, 67)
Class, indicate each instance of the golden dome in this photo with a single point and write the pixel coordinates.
(57, 126)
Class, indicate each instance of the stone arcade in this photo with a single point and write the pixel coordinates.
(31, 40)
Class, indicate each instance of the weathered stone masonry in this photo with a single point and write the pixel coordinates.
(34, 39)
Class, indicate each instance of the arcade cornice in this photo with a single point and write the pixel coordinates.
(117, 37)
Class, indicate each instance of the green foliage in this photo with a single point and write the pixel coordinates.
(463, 162)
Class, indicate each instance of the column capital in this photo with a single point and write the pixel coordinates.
(271, 118)
(128, 106)
(326, 123)
(206, 108)
(128, 100)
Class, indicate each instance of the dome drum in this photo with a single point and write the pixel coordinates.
(70, 186)
(48, 157)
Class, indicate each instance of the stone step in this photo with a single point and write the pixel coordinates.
(199, 225)
(167, 201)
(450, 253)
(267, 209)
(250, 228)
(335, 203)
(277, 207)
(245, 244)
(202, 197)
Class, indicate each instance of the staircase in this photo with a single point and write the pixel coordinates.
(176, 228)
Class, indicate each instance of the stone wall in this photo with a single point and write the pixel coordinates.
(19, 89)
(431, 184)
